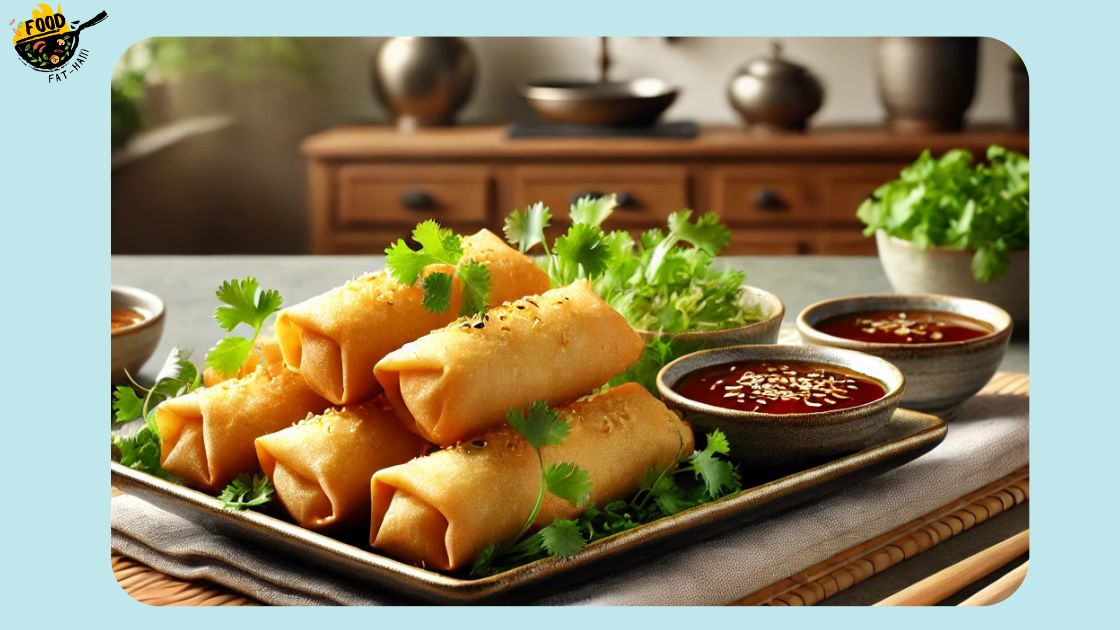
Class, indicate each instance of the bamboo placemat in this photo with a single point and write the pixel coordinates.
(807, 587)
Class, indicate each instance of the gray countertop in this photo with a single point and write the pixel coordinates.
(187, 285)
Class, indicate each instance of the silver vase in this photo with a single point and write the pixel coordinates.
(424, 81)
(926, 83)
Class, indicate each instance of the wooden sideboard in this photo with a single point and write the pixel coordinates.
(781, 194)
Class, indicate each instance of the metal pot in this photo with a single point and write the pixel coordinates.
(926, 83)
(771, 93)
(424, 81)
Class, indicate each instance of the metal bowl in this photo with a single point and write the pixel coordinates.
(635, 103)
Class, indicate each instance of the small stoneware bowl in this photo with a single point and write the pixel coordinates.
(134, 344)
(939, 376)
(765, 330)
(786, 440)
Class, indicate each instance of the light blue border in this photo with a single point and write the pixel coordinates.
(55, 243)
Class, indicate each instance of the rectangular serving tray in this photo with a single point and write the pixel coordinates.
(908, 435)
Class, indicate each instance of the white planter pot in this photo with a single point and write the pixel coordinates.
(949, 272)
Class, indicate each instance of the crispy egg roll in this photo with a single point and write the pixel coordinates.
(321, 466)
(460, 380)
(439, 511)
(334, 339)
(206, 437)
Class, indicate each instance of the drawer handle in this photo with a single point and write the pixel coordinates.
(626, 200)
(418, 199)
(769, 200)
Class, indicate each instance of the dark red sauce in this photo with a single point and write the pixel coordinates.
(780, 387)
(911, 327)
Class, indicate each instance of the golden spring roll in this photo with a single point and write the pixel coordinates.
(439, 511)
(206, 437)
(321, 466)
(460, 380)
(334, 339)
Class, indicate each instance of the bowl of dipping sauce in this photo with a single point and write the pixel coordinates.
(947, 347)
(783, 405)
(137, 324)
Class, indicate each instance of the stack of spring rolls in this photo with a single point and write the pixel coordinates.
(368, 409)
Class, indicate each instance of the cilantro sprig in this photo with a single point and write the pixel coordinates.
(247, 491)
(701, 477)
(542, 426)
(439, 246)
(177, 377)
(242, 302)
(951, 202)
(664, 281)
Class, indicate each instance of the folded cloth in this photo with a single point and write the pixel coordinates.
(987, 440)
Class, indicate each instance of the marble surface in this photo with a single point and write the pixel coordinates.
(187, 284)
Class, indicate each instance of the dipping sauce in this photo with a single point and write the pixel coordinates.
(904, 327)
(780, 387)
(126, 317)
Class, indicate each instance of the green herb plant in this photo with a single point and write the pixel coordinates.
(699, 478)
(177, 377)
(953, 202)
(439, 245)
(247, 491)
(242, 302)
(664, 281)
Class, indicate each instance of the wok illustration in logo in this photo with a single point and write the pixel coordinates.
(46, 41)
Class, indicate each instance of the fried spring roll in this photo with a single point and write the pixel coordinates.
(460, 380)
(439, 511)
(334, 339)
(321, 466)
(206, 437)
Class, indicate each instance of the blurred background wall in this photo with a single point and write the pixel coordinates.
(218, 168)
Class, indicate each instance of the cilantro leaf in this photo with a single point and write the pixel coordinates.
(241, 303)
(562, 539)
(229, 354)
(592, 210)
(437, 292)
(474, 278)
(717, 443)
(437, 245)
(582, 252)
(126, 404)
(707, 233)
(525, 228)
(569, 482)
(247, 491)
(718, 475)
(141, 452)
(542, 426)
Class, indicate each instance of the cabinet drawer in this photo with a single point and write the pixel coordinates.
(752, 195)
(845, 187)
(404, 195)
(769, 242)
(844, 242)
(646, 194)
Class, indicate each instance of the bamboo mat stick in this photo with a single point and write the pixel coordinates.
(999, 590)
(952, 579)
